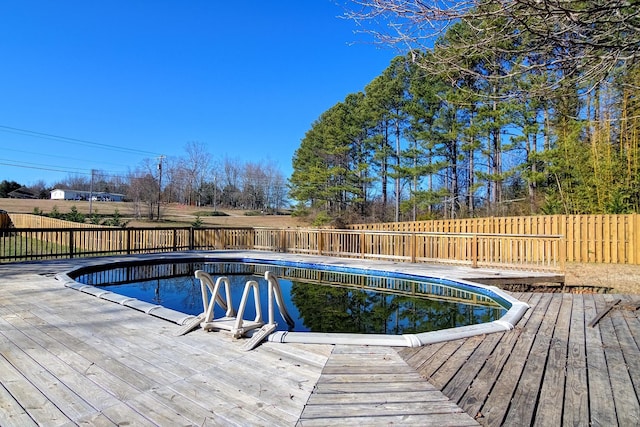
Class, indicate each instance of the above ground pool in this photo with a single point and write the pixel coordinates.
(327, 303)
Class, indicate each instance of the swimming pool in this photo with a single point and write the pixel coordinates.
(485, 309)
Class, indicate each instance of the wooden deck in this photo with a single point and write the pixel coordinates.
(67, 358)
(363, 385)
(553, 369)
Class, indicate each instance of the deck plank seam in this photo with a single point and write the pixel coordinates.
(467, 401)
(497, 403)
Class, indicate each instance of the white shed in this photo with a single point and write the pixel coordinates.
(60, 194)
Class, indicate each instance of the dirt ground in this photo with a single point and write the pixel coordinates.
(610, 278)
(614, 278)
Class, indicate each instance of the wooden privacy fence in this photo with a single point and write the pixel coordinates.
(613, 239)
(5, 220)
(477, 250)
(474, 249)
(38, 221)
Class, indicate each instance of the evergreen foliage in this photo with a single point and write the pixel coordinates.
(427, 140)
(7, 187)
(116, 220)
(74, 215)
(197, 223)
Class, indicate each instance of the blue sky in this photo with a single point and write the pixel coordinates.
(126, 80)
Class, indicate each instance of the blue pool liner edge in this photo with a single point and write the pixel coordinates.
(515, 307)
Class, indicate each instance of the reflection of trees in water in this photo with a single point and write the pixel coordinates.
(335, 309)
(178, 293)
(191, 293)
(321, 308)
(183, 292)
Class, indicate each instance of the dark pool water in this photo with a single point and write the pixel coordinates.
(318, 300)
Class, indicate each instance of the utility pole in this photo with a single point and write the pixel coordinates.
(215, 183)
(159, 184)
(91, 191)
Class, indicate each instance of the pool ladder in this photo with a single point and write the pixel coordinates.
(234, 321)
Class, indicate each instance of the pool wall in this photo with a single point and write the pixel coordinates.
(505, 323)
(148, 308)
(515, 308)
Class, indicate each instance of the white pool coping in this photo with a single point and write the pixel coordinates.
(505, 323)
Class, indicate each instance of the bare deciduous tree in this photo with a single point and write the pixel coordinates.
(583, 42)
(74, 182)
(143, 192)
(196, 166)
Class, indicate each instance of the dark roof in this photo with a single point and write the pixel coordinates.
(22, 193)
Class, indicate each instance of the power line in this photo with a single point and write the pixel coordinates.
(34, 134)
(39, 166)
(31, 153)
(36, 166)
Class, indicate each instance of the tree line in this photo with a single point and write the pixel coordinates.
(193, 179)
(491, 120)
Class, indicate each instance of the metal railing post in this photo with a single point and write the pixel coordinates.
(71, 244)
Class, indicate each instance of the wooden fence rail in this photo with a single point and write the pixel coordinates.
(613, 239)
(473, 249)
(39, 221)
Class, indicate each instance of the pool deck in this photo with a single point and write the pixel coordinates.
(67, 358)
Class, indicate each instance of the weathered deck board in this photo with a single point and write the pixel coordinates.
(52, 379)
(460, 380)
(460, 383)
(553, 382)
(530, 381)
(497, 404)
(624, 397)
(625, 330)
(40, 408)
(602, 411)
(67, 358)
(375, 386)
(453, 364)
(114, 376)
(11, 411)
(441, 420)
(39, 355)
(576, 401)
(473, 397)
(552, 369)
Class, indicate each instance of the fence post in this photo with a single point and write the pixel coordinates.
(562, 253)
(634, 240)
(283, 240)
(128, 242)
(320, 242)
(191, 238)
(474, 251)
(362, 244)
(175, 239)
(413, 242)
(71, 244)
